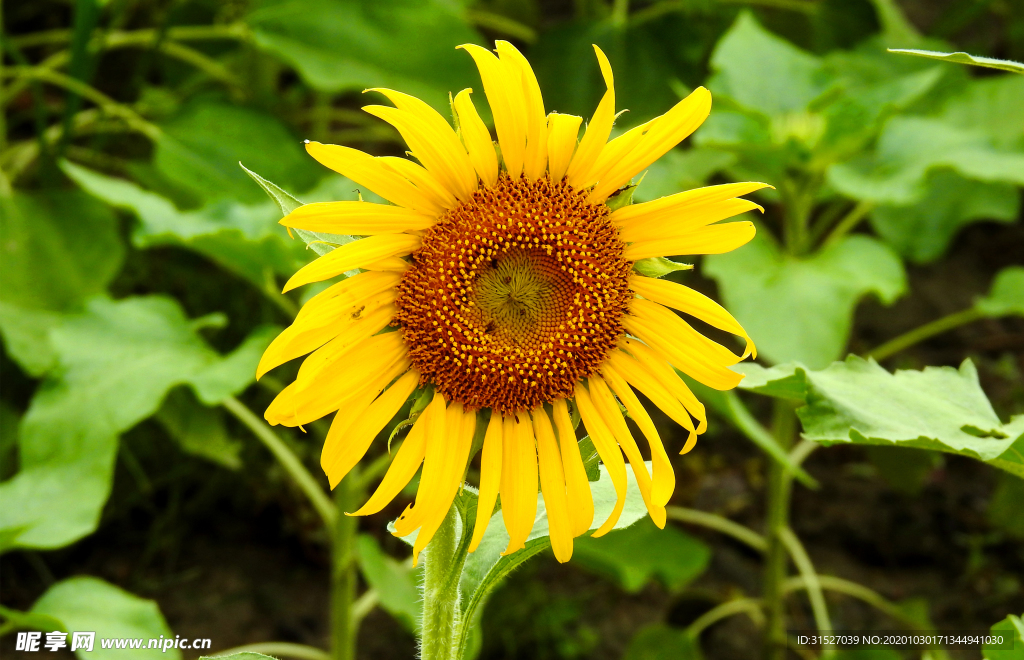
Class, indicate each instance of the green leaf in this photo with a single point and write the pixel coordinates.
(116, 363)
(58, 249)
(765, 72)
(1004, 506)
(396, 584)
(922, 231)
(680, 170)
(911, 147)
(200, 149)
(316, 241)
(994, 104)
(90, 604)
(661, 642)
(243, 239)
(339, 46)
(1006, 297)
(781, 381)
(1013, 627)
(964, 58)
(940, 408)
(199, 430)
(591, 459)
(659, 266)
(802, 308)
(905, 470)
(636, 555)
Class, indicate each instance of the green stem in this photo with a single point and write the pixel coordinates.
(501, 24)
(751, 606)
(287, 458)
(719, 524)
(858, 591)
(803, 564)
(926, 331)
(344, 626)
(444, 557)
(282, 649)
(780, 484)
(848, 223)
(748, 425)
(238, 31)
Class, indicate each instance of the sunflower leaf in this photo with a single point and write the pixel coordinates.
(964, 58)
(396, 583)
(1011, 630)
(1006, 297)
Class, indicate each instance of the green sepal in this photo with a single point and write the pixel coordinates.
(621, 197)
(659, 267)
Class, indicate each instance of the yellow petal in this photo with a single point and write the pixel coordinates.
(504, 94)
(562, 132)
(690, 302)
(657, 367)
(577, 487)
(368, 171)
(636, 375)
(680, 210)
(535, 158)
(552, 485)
(356, 218)
(665, 133)
(715, 239)
(609, 411)
(426, 182)
(684, 355)
(403, 467)
(346, 444)
(460, 425)
(598, 130)
(438, 451)
(518, 480)
(476, 138)
(690, 221)
(441, 152)
(609, 452)
(663, 478)
(615, 150)
(490, 478)
(353, 255)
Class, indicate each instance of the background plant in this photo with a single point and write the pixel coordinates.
(141, 270)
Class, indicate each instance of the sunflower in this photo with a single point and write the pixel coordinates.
(500, 283)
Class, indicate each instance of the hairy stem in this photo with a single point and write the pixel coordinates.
(750, 606)
(287, 458)
(814, 593)
(926, 331)
(344, 626)
(780, 484)
(719, 524)
(444, 557)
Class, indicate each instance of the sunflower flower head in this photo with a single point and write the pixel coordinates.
(503, 287)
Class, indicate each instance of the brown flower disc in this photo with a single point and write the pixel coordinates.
(515, 295)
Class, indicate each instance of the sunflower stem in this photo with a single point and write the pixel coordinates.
(343, 570)
(445, 556)
(780, 484)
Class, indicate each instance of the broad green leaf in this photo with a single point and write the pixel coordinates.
(1011, 627)
(243, 239)
(1006, 296)
(661, 642)
(763, 71)
(200, 150)
(1004, 506)
(911, 147)
(857, 401)
(636, 555)
(116, 362)
(316, 241)
(964, 58)
(199, 430)
(58, 249)
(680, 170)
(922, 231)
(939, 408)
(90, 604)
(659, 266)
(993, 104)
(802, 308)
(15, 620)
(396, 584)
(339, 45)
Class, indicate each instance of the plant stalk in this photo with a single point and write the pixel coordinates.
(926, 331)
(444, 557)
(780, 486)
(343, 570)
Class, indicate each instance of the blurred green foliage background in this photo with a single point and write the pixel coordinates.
(141, 272)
